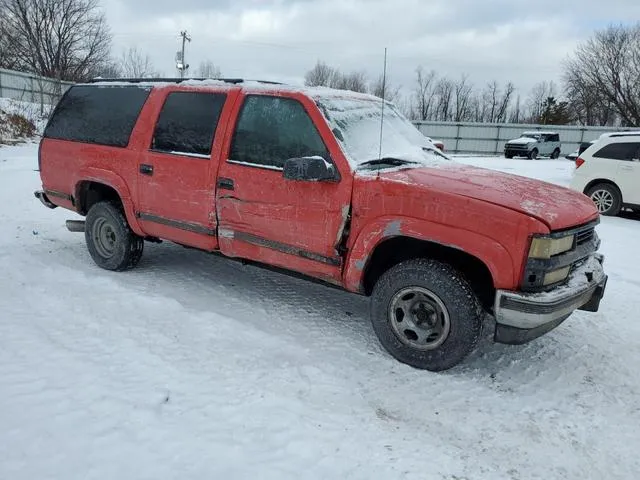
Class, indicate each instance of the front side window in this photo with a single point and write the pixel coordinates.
(619, 151)
(271, 130)
(187, 123)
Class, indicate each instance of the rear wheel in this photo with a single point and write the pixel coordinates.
(110, 241)
(607, 199)
(426, 315)
(556, 153)
(533, 154)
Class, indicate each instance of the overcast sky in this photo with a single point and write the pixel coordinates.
(523, 41)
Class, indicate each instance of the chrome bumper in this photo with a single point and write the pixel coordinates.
(521, 317)
(40, 195)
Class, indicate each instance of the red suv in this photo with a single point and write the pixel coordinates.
(300, 179)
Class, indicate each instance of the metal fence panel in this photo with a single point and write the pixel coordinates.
(489, 138)
(30, 88)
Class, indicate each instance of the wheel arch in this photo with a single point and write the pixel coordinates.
(92, 188)
(387, 241)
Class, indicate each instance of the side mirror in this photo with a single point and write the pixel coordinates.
(309, 169)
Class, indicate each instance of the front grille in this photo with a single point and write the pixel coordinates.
(585, 236)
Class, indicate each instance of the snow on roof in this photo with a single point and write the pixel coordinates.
(541, 132)
(247, 85)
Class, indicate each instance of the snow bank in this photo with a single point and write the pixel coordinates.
(32, 112)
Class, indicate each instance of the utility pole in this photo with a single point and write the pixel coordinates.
(180, 63)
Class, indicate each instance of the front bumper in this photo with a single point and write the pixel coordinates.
(522, 317)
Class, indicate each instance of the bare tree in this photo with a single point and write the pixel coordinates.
(504, 101)
(354, 81)
(463, 92)
(208, 69)
(6, 57)
(322, 75)
(537, 98)
(64, 39)
(384, 89)
(424, 94)
(444, 93)
(605, 71)
(136, 64)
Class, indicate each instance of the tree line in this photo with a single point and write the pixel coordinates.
(71, 40)
(600, 87)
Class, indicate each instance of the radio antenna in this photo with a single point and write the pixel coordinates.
(384, 91)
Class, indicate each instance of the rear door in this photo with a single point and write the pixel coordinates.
(176, 172)
(629, 174)
(620, 163)
(292, 224)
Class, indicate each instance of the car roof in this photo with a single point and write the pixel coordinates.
(620, 134)
(245, 84)
(528, 132)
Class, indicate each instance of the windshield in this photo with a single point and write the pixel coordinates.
(356, 123)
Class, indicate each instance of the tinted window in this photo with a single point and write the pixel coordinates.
(619, 151)
(271, 130)
(187, 122)
(104, 115)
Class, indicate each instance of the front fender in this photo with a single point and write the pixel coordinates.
(489, 251)
(113, 180)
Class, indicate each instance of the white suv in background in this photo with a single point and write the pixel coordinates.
(609, 172)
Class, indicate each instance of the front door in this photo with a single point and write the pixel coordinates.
(292, 224)
(176, 192)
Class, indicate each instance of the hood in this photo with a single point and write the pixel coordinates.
(557, 207)
(521, 141)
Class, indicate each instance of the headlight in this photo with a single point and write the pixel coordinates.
(556, 275)
(545, 248)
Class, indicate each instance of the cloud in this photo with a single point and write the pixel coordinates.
(506, 40)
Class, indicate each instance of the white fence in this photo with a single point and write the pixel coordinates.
(489, 138)
(30, 88)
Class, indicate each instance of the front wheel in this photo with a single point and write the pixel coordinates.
(607, 199)
(426, 315)
(111, 242)
(533, 154)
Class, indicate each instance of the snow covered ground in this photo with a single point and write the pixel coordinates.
(192, 367)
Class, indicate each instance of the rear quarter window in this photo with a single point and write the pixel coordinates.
(103, 115)
(619, 151)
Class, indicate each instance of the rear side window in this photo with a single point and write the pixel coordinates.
(102, 115)
(271, 130)
(187, 123)
(619, 151)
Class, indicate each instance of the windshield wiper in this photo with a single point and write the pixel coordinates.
(387, 162)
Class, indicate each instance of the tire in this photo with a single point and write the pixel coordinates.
(509, 156)
(438, 298)
(556, 154)
(533, 154)
(110, 241)
(607, 198)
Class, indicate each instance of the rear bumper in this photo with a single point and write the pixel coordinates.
(522, 317)
(40, 195)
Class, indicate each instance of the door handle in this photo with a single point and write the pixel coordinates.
(146, 169)
(225, 184)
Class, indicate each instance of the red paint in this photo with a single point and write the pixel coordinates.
(484, 213)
